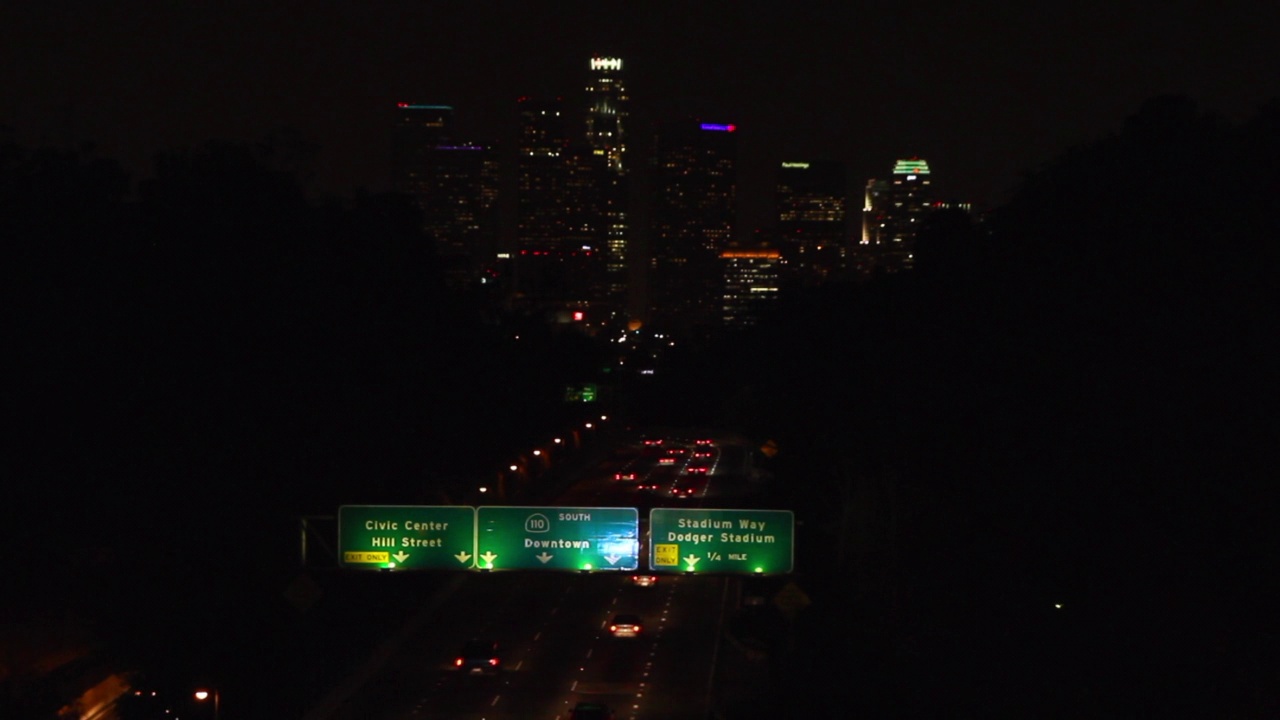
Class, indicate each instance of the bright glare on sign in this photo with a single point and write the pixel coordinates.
(719, 128)
(800, 165)
(606, 63)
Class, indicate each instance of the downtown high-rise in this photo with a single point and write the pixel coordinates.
(893, 213)
(607, 121)
(572, 203)
(692, 213)
(812, 198)
(751, 285)
(453, 183)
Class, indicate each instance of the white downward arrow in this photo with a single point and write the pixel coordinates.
(544, 557)
(692, 560)
(612, 558)
(401, 556)
(488, 557)
(463, 556)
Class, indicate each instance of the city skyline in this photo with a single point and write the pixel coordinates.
(1029, 471)
(984, 93)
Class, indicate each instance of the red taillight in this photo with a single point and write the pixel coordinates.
(613, 628)
(458, 662)
(493, 661)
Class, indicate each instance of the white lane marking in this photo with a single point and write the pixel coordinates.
(496, 698)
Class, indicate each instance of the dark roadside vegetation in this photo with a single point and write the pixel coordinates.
(1034, 474)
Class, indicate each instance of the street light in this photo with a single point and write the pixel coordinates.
(202, 695)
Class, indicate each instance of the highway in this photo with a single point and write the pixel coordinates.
(556, 650)
(552, 626)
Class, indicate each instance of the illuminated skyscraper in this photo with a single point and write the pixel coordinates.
(607, 111)
(874, 221)
(692, 210)
(418, 128)
(454, 184)
(813, 220)
(606, 119)
(560, 233)
(751, 279)
(893, 213)
(541, 176)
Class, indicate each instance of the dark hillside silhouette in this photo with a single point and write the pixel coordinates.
(200, 363)
(1071, 404)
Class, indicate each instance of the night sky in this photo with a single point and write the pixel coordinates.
(982, 90)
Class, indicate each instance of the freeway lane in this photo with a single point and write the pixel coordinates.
(553, 628)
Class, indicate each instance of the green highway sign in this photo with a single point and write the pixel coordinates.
(557, 538)
(701, 540)
(406, 537)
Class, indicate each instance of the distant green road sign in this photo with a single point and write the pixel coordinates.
(406, 537)
(701, 540)
(557, 538)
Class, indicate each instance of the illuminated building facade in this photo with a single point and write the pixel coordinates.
(559, 232)
(813, 218)
(751, 280)
(875, 219)
(454, 184)
(892, 215)
(418, 128)
(606, 135)
(607, 111)
(694, 185)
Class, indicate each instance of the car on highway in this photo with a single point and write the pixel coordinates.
(688, 486)
(644, 580)
(625, 625)
(624, 477)
(479, 657)
(591, 711)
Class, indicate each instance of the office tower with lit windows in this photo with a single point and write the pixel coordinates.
(560, 232)
(812, 199)
(454, 184)
(692, 211)
(893, 213)
(607, 111)
(875, 219)
(606, 135)
(751, 284)
(418, 128)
